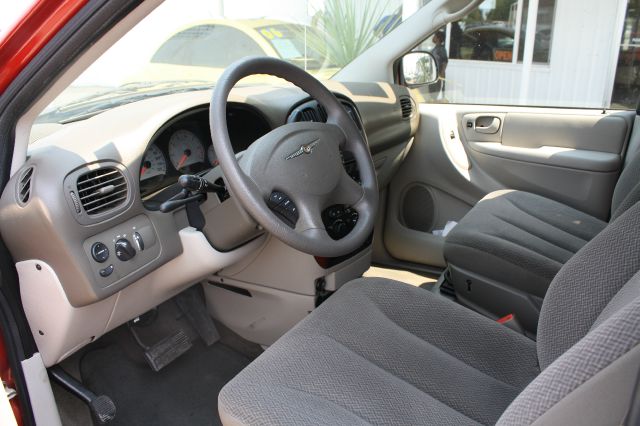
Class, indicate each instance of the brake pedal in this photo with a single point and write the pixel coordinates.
(166, 350)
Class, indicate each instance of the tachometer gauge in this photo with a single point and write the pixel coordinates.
(185, 149)
(153, 164)
(212, 157)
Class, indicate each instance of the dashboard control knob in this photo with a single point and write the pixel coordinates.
(106, 271)
(137, 239)
(100, 252)
(124, 250)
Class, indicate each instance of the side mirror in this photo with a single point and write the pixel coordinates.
(419, 68)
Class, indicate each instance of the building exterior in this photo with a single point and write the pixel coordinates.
(570, 53)
(566, 53)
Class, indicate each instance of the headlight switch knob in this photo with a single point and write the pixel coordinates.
(125, 250)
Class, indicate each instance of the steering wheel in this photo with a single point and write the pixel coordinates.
(300, 160)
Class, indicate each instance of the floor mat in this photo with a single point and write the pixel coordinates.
(183, 393)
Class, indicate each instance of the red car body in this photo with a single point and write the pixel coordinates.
(31, 33)
(18, 47)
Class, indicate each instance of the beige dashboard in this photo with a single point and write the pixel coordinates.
(78, 279)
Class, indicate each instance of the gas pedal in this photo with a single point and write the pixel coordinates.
(166, 350)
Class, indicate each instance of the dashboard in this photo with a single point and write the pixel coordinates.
(93, 250)
(183, 145)
(102, 179)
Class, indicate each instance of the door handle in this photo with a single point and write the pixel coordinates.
(487, 124)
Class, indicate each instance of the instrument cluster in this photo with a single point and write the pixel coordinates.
(184, 146)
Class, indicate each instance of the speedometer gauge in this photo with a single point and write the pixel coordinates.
(185, 149)
(153, 164)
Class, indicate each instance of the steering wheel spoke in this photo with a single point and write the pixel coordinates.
(310, 218)
(348, 191)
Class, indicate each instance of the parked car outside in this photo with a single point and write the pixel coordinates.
(202, 50)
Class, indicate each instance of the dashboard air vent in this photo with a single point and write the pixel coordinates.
(102, 190)
(323, 113)
(309, 114)
(407, 107)
(318, 114)
(24, 186)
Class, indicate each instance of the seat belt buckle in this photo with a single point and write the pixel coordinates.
(512, 322)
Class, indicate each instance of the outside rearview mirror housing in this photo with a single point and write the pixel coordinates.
(419, 68)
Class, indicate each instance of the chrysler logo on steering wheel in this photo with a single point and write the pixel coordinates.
(304, 149)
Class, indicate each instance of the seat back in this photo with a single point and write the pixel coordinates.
(593, 382)
(586, 284)
(588, 334)
(627, 190)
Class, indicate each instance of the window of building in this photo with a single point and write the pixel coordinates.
(544, 26)
(626, 85)
(497, 30)
(547, 53)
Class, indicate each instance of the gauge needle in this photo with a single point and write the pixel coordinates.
(182, 160)
(143, 170)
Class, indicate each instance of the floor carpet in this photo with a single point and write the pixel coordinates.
(183, 393)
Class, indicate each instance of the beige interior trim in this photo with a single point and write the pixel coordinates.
(281, 282)
(261, 318)
(43, 403)
(596, 132)
(57, 327)
(582, 159)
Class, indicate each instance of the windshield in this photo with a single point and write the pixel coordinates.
(186, 45)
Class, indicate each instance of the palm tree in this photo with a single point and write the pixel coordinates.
(349, 27)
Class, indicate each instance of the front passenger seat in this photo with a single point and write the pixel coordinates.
(383, 352)
(505, 251)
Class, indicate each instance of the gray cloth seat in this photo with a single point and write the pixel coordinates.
(384, 335)
(505, 251)
(519, 238)
(383, 352)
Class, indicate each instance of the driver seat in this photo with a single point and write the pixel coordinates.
(383, 352)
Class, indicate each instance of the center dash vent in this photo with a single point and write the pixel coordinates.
(313, 111)
(24, 186)
(406, 104)
(311, 114)
(102, 190)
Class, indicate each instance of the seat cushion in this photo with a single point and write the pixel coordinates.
(381, 351)
(520, 239)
